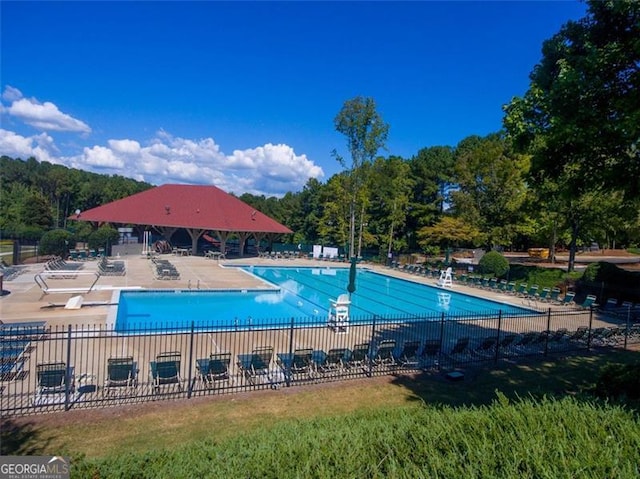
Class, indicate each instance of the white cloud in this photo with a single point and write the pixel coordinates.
(130, 147)
(43, 116)
(11, 94)
(271, 170)
(46, 116)
(39, 146)
(102, 157)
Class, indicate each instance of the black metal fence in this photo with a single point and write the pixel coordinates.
(59, 368)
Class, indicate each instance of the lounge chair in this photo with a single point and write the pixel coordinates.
(526, 340)
(553, 295)
(408, 357)
(531, 293)
(610, 306)
(487, 347)
(430, 355)
(383, 355)
(521, 290)
(579, 334)
(601, 336)
(507, 342)
(567, 299)
(359, 356)
(122, 375)
(165, 371)
(333, 361)
(558, 335)
(544, 295)
(256, 366)
(588, 302)
(214, 369)
(55, 381)
(460, 350)
(297, 365)
(511, 287)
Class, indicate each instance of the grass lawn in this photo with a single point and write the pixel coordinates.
(98, 433)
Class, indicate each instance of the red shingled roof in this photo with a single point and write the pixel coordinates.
(185, 206)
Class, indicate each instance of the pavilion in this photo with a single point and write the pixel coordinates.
(199, 209)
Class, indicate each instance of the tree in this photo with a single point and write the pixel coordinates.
(432, 170)
(366, 133)
(490, 187)
(391, 185)
(449, 231)
(334, 222)
(36, 211)
(580, 118)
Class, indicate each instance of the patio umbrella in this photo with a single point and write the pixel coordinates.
(352, 277)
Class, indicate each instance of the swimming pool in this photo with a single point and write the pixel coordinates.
(298, 293)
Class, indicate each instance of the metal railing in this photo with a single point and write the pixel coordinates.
(59, 368)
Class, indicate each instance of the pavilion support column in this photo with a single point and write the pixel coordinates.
(223, 236)
(271, 237)
(195, 236)
(258, 236)
(166, 232)
(243, 235)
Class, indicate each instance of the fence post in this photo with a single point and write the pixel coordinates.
(371, 345)
(287, 378)
(67, 379)
(590, 328)
(497, 355)
(191, 379)
(546, 339)
(441, 341)
(626, 329)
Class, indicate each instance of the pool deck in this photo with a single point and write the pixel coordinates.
(27, 302)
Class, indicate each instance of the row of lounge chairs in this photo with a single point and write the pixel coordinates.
(262, 366)
(83, 254)
(626, 310)
(531, 293)
(59, 264)
(164, 269)
(9, 272)
(111, 268)
(417, 269)
(279, 254)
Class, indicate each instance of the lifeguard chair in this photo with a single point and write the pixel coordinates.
(446, 279)
(338, 319)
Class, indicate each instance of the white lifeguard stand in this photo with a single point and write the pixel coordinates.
(446, 279)
(338, 319)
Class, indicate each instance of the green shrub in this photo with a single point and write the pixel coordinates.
(103, 237)
(493, 263)
(608, 280)
(56, 242)
(524, 439)
(31, 233)
(619, 381)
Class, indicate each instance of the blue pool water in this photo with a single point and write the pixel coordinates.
(303, 293)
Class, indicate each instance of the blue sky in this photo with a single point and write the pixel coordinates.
(243, 95)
